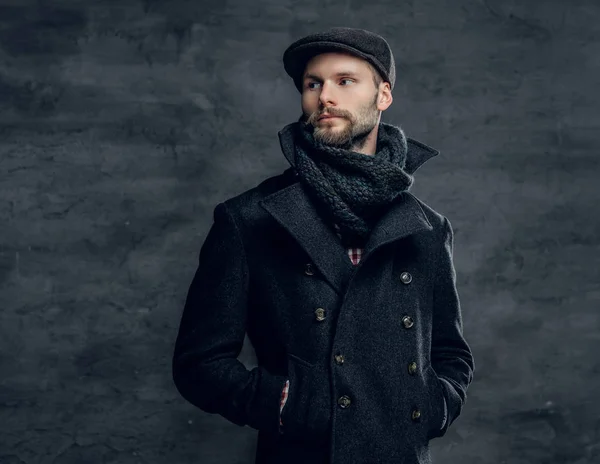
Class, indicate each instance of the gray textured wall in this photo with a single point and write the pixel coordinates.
(123, 123)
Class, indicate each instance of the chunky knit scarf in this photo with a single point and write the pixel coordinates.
(351, 189)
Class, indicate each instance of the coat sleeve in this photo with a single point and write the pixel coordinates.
(205, 367)
(451, 357)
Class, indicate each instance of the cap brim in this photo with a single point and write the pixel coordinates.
(296, 59)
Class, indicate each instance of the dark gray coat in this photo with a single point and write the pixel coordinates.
(371, 351)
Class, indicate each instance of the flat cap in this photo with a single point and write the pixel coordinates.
(359, 42)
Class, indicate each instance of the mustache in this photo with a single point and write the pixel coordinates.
(316, 115)
(311, 119)
(329, 113)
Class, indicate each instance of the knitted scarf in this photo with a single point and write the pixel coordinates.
(351, 189)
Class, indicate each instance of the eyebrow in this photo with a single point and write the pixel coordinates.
(338, 74)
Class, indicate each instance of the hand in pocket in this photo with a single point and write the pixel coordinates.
(306, 415)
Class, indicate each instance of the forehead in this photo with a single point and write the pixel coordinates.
(335, 62)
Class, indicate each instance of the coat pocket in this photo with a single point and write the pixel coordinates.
(306, 415)
(435, 404)
(299, 360)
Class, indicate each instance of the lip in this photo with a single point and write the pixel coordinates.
(328, 117)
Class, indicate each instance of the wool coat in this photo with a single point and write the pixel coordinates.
(371, 351)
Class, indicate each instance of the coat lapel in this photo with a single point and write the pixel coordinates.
(292, 208)
(404, 218)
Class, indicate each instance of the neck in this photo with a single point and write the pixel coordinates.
(368, 144)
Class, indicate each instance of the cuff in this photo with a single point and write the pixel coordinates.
(445, 413)
(284, 396)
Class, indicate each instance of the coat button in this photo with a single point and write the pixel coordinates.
(416, 415)
(412, 368)
(308, 269)
(344, 401)
(408, 322)
(320, 314)
(339, 358)
(406, 278)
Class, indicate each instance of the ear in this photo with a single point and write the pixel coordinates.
(385, 98)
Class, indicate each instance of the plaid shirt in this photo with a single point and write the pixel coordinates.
(354, 254)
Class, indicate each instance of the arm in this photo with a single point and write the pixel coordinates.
(451, 357)
(205, 367)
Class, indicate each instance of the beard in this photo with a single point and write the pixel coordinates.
(350, 132)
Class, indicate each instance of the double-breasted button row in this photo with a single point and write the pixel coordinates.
(408, 321)
(344, 401)
(320, 314)
(406, 278)
(309, 269)
(412, 368)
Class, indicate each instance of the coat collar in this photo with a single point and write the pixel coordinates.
(292, 208)
(416, 155)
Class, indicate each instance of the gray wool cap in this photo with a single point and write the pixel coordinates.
(359, 42)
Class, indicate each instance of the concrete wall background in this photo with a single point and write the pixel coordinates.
(123, 123)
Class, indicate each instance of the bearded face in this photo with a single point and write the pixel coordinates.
(345, 129)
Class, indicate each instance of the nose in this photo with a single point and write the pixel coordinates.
(327, 95)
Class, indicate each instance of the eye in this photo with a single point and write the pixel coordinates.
(308, 85)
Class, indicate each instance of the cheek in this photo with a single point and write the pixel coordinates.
(305, 107)
(308, 103)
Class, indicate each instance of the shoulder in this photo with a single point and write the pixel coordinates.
(439, 222)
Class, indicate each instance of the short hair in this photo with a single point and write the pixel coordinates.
(377, 78)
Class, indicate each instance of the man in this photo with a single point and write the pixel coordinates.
(343, 280)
